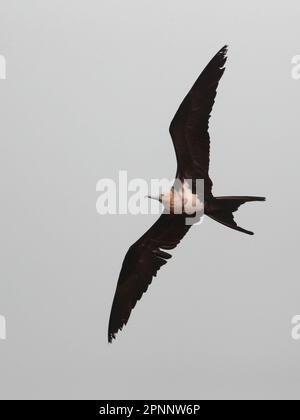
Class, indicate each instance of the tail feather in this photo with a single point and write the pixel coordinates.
(222, 210)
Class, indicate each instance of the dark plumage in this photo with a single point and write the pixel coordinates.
(189, 132)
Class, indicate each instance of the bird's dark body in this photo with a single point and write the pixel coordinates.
(190, 136)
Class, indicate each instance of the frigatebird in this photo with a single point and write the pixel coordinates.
(190, 136)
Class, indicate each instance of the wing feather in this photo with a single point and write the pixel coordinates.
(189, 127)
(141, 263)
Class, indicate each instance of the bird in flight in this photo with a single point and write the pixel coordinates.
(190, 136)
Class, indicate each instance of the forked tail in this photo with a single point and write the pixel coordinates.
(221, 209)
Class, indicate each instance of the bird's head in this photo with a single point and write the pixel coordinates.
(166, 198)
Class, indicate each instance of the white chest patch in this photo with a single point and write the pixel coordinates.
(182, 201)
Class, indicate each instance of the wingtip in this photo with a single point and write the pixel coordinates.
(258, 199)
(248, 232)
(222, 55)
(224, 50)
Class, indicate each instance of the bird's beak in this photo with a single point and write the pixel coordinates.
(153, 198)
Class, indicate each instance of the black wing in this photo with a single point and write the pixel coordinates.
(189, 127)
(142, 261)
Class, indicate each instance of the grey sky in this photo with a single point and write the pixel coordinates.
(91, 88)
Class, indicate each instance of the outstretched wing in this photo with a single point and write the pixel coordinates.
(189, 127)
(142, 261)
